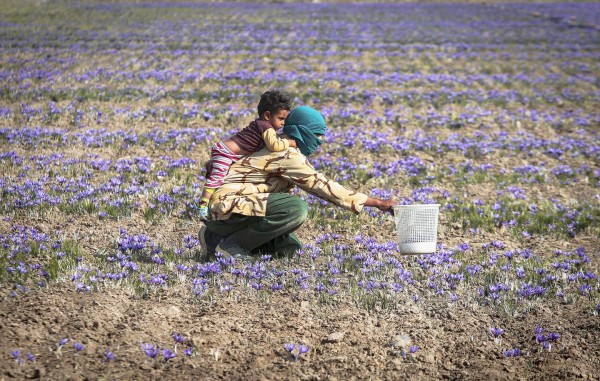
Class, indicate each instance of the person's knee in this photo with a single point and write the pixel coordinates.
(299, 211)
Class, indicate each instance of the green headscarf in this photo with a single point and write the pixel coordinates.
(303, 124)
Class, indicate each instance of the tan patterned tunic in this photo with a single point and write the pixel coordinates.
(253, 177)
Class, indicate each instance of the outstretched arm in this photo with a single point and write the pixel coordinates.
(295, 168)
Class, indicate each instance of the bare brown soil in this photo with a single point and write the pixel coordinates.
(248, 334)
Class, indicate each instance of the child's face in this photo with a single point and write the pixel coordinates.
(276, 119)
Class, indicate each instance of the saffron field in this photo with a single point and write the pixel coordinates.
(107, 111)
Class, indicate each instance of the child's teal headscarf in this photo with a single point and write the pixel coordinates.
(303, 124)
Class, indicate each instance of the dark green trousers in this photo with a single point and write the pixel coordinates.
(273, 233)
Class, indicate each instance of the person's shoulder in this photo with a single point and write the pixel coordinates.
(262, 125)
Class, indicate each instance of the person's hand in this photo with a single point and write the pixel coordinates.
(293, 143)
(387, 206)
(383, 205)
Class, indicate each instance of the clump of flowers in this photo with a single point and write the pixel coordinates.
(16, 354)
(152, 351)
(512, 353)
(496, 332)
(545, 340)
(296, 350)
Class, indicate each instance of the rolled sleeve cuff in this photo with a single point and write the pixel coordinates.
(359, 203)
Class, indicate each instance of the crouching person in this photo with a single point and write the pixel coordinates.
(253, 211)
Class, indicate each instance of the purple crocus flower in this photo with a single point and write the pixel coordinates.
(189, 242)
(188, 351)
(553, 336)
(464, 246)
(17, 356)
(302, 349)
(496, 331)
(168, 354)
(182, 268)
(256, 286)
(109, 355)
(413, 349)
(150, 350)
(585, 289)
(520, 272)
(289, 346)
(63, 341)
(540, 338)
(78, 346)
(512, 353)
(178, 338)
(81, 287)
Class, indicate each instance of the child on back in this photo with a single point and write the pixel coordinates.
(273, 108)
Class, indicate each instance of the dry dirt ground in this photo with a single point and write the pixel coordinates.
(347, 342)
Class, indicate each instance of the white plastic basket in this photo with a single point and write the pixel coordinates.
(416, 226)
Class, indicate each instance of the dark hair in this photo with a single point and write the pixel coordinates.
(273, 101)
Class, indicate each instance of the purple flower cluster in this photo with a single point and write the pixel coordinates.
(496, 331)
(545, 339)
(132, 243)
(296, 349)
(17, 356)
(513, 353)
